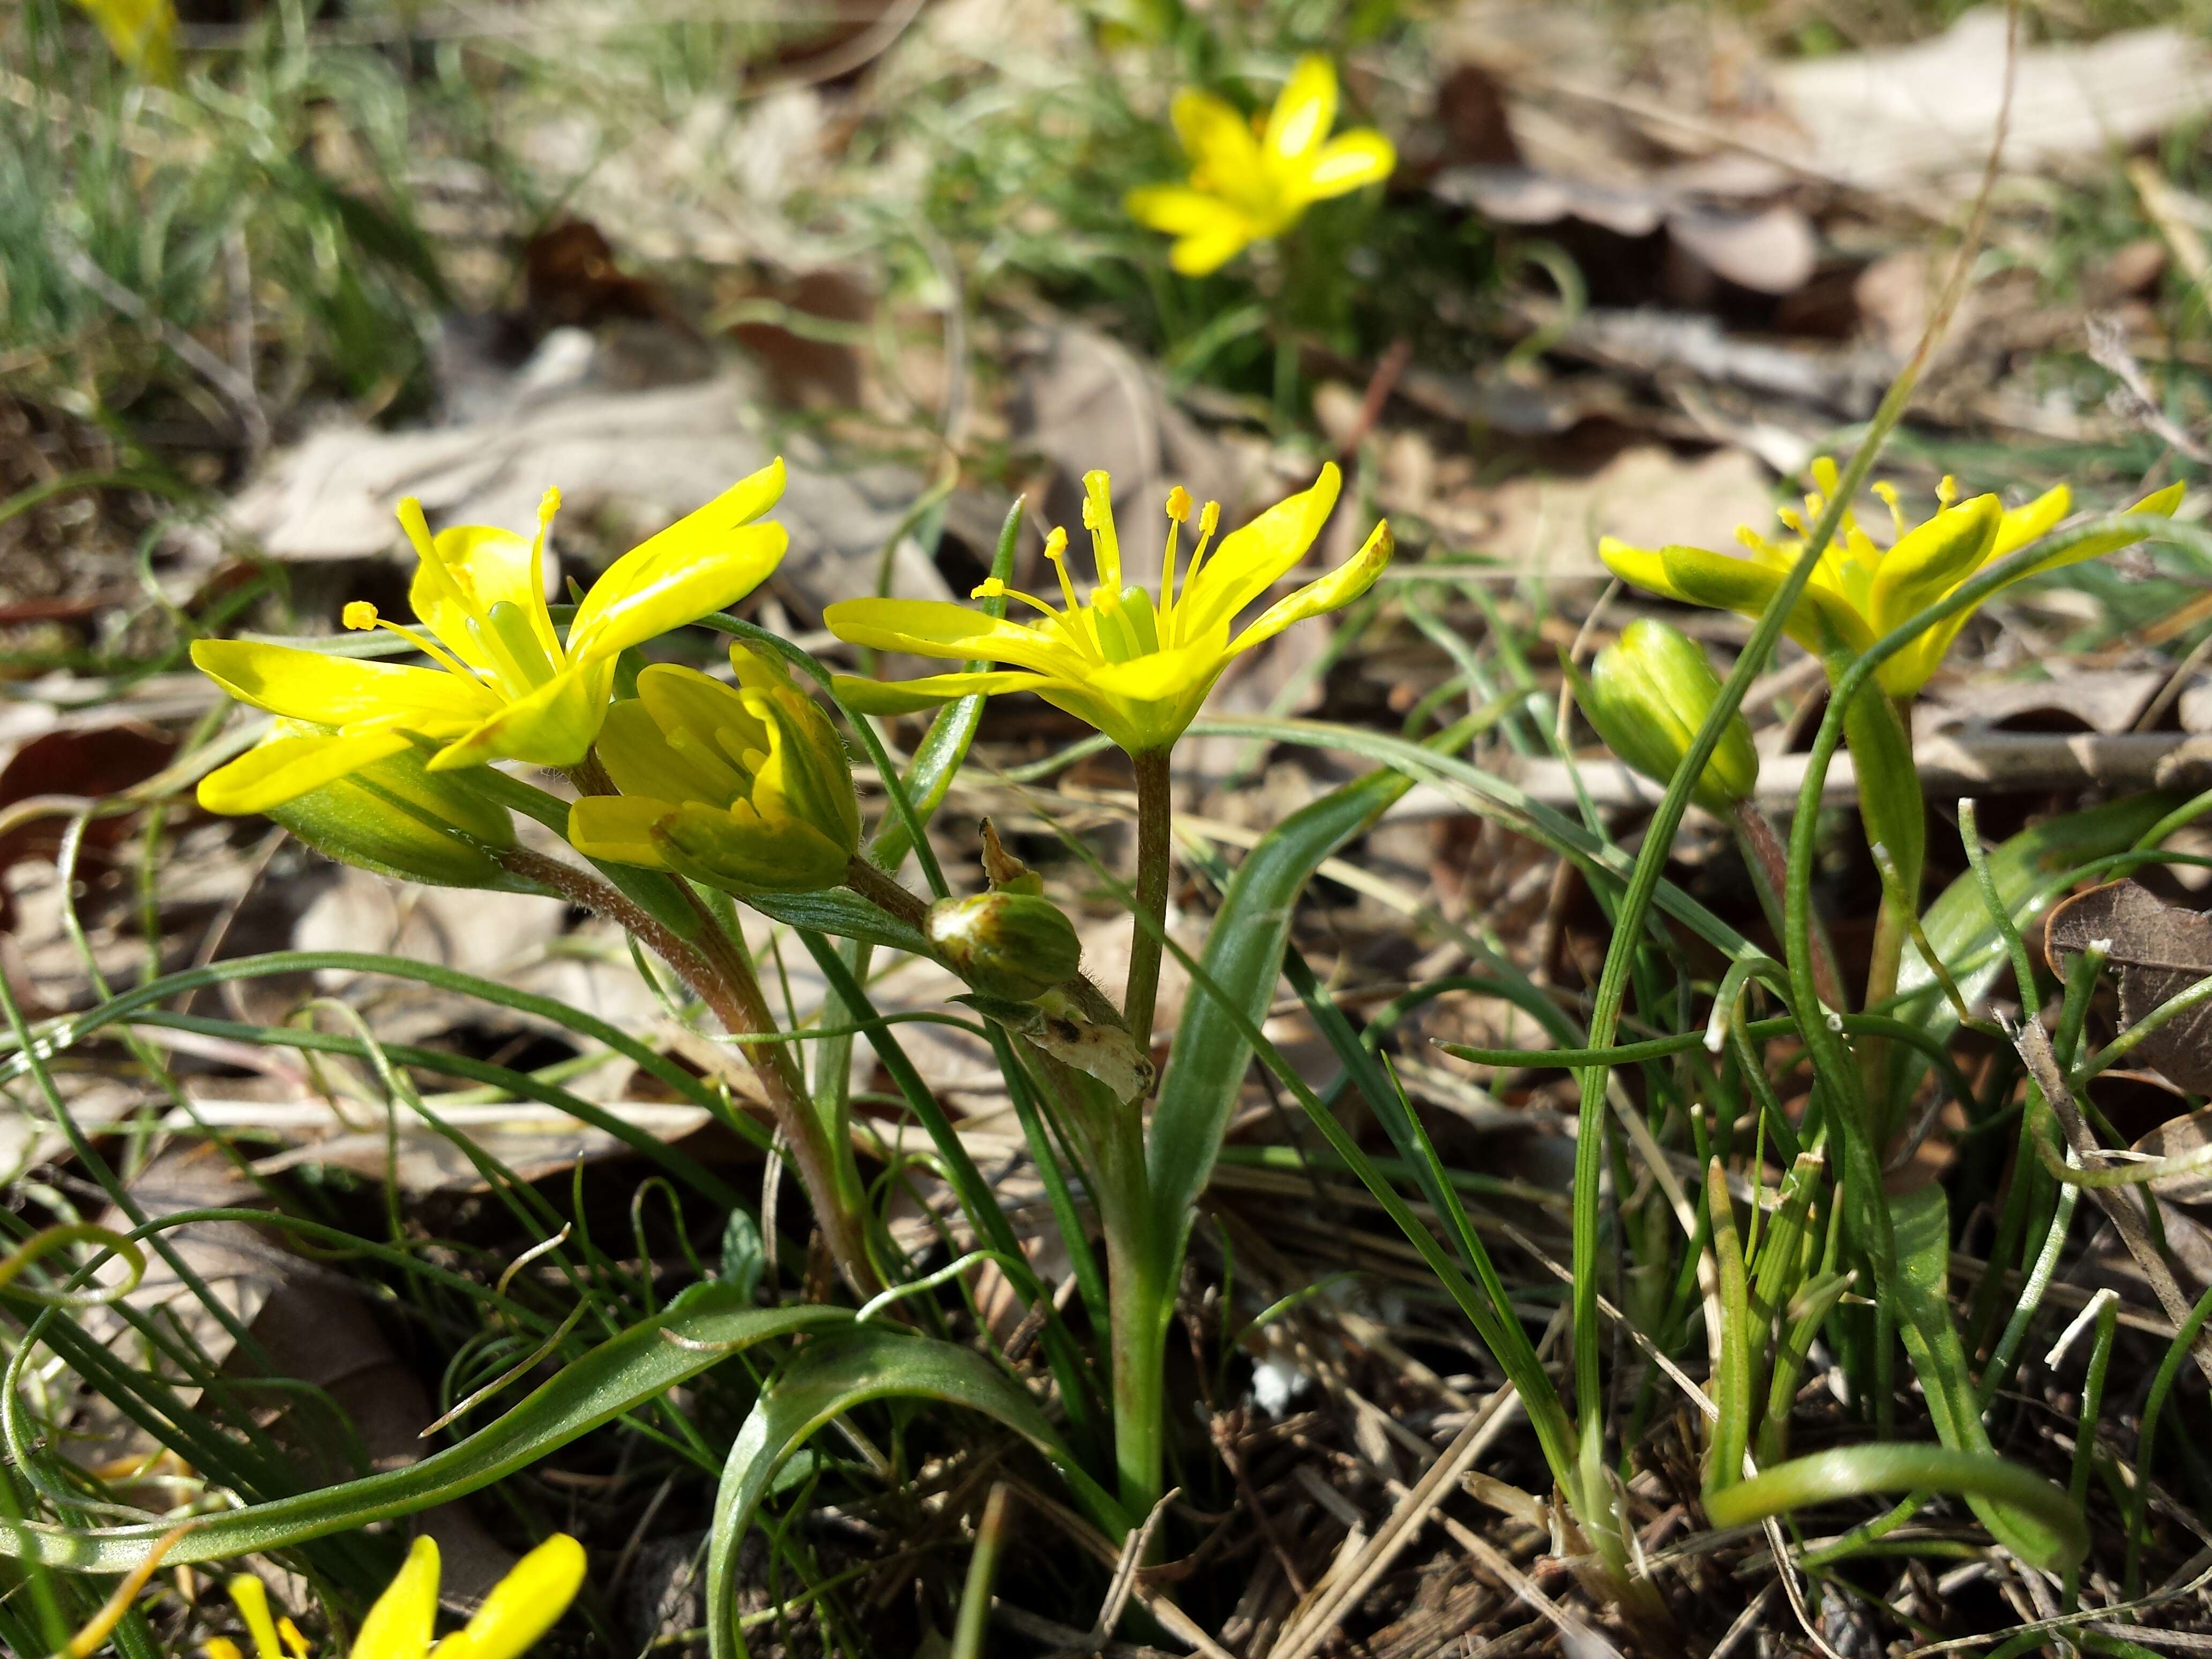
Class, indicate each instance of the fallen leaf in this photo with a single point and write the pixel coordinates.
(2157, 950)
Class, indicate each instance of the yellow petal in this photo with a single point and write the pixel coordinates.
(707, 724)
(1251, 560)
(1304, 113)
(702, 563)
(251, 1597)
(488, 566)
(642, 761)
(618, 828)
(1215, 136)
(1177, 209)
(934, 628)
(1363, 156)
(309, 685)
(1205, 251)
(554, 726)
(271, 773)
(807, 775)
(2023, 525)
(399, 1626)
(2160, 502)
(1931, 559)
(1820, 621)
(523, 1606)
(866, 696)
(1339, 588)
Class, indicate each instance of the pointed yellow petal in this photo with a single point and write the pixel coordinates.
(554, 726)
(2160, 502)
(934, 628)
(399, 1626)
(618, 828)
(702, 563)
(867, 697)
(1363, 156)
(1215, 135)
(2023, 525)
(1339, 588)
(1304, 113)
(705, 722)
(270, 774)
(309, 685)
(523, 1606)
(251, 1597)
(1931, 559)
(1251, 560)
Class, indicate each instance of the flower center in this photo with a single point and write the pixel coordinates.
(505, 634)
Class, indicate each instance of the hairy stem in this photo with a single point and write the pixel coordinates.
(1154, 856)
(884, 891)
(716, 968)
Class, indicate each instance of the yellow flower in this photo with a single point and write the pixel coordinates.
(1136, 667)
(748, 789)
(1245, 186)
(521, 1607)
(1859, 592)
(141, 33)
(507, 686)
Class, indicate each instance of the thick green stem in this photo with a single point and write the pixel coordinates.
(716, 968)
(1891, 927)
(1139, 1311)
(1154, 855)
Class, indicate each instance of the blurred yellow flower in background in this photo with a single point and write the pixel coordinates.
(1136, 667)
(1245, 188)
(1860, 590)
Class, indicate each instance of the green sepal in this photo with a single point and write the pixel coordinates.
(395, 817)
(1890, 802)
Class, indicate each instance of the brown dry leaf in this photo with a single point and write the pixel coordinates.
(1644, 495)
(2158, 950)
(572, 280)
(89, 763)
(2174, 1139)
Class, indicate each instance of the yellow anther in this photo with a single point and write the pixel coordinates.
(358, 615)
(1947, 492)
(548, 505)
(989, 588)
(1209, 520)
(1790, 517)
(1887, 491)
(221, 1647)
(1179, 504)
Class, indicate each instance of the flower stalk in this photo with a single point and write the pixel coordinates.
(1155, 860)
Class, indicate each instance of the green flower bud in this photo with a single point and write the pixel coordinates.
(746, 787)
(396, 817)
(1014, 945)
(1648, 694)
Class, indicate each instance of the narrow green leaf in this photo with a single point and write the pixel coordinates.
(1732, 1365)
(1983, 1479)
(702, 1327)
(829, 1378)
(1244, 956)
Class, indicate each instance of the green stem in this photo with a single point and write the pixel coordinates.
(1154, 858)
(1892, 926)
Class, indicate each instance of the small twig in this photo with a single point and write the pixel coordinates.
(2108, 350)
(2122, 1206)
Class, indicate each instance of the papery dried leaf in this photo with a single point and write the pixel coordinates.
(2156, 950)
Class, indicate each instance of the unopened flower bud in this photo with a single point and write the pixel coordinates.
(1648, 694)
(1014, 945)
(397, 818)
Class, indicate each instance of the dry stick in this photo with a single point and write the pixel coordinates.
(726, 985)
(2122, 1206)
(1307, 1634)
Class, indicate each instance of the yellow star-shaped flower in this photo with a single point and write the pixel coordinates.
(1136, 666)
(507, 686)
(1245, 188)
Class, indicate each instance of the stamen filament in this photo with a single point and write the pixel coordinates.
(360, 616)
(1209, 520)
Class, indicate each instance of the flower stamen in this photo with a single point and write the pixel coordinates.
(360, 616)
